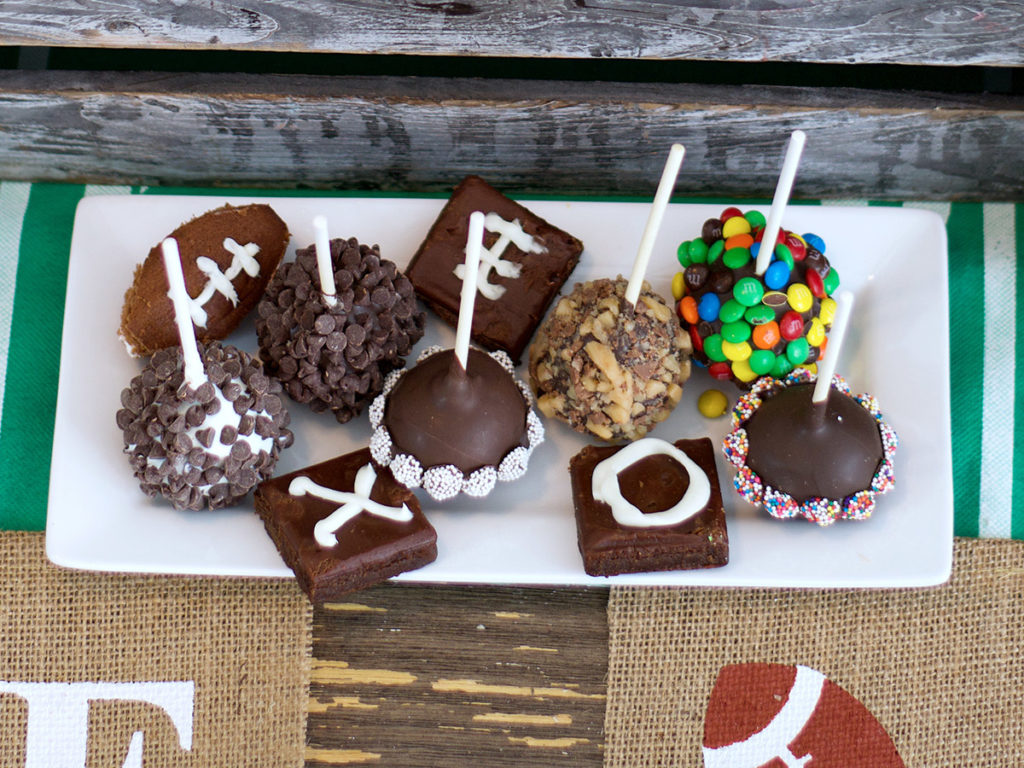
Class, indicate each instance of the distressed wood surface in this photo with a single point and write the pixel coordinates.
(423, 134)
(839, 31)
(419, 677)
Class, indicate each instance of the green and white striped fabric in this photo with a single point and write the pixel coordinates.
(986, 242)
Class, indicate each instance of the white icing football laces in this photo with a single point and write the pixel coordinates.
(243, 259)
(605, 486)
(352, 503)
(511, 232)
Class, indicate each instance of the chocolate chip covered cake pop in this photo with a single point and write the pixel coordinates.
(202, 426)
(335, 322)
(611, 358)
(458, 421)
(804, 446)
(756, 300)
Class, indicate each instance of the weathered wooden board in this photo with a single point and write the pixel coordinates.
(419, 677)
(530, 136)
(869, 31)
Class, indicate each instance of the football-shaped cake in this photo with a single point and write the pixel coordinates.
(228, 254)
(781, 716)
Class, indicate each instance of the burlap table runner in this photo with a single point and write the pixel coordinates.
(212, 672)
(941, 669)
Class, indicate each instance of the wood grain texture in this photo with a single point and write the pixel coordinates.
(423, 134)
(870, 31)
(418, 677)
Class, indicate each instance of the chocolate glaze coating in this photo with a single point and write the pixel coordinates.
(651, 484)
(807, 457)
(442, 414)
(509, 322)
(369, 549)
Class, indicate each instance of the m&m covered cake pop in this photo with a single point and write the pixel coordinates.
(744, 325)
(458, 421)
(611, 359)
(202, 426)
(335, 322)
(804, 446)
(756, 300)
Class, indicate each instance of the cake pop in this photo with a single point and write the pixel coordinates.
(202, 426)
(458, 421)
(228, 255)
(335, 322)
(611, 359)
(805, 446)
(756, 301)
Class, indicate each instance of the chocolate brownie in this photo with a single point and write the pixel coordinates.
(506, 316)
(651, 484)
(370, 547)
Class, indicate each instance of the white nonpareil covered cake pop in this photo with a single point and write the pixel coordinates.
(202, 426)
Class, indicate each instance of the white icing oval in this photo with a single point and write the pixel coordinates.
(605, 486)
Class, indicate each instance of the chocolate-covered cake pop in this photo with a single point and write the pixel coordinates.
(458, 421)
(607, 367)
(333, 352)
(453, 429)
(205, 447)
(744, 325)
(823, 461)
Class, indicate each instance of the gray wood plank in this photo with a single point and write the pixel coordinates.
(418, 677)
(416, 134)
(838, 31)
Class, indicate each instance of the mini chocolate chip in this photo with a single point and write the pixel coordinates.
(337, 341)
(197, 457)
(240, 450)
(356, 335)
(324, 324)
(228, 434)
(246, 424)
(205, 437)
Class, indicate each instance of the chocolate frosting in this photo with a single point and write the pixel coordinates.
(442, 414)
(795, 451)
(654, 483)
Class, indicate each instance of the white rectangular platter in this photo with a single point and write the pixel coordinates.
(893, 259)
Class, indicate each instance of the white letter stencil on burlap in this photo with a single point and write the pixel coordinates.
(58, 717)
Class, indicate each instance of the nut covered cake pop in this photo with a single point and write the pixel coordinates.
(751, 308)
(458, 421)
(335, 322)
(202, 426)
(611, 358)
(805, 446)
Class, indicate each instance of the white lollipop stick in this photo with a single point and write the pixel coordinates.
(474, 242)
(661, 198)
(323, 260)
(844, 302)
(782, 190)
(194, 372)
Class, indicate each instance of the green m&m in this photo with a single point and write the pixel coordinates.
(748, 291)
(762, 361)
(736, 332)
(713, 348)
